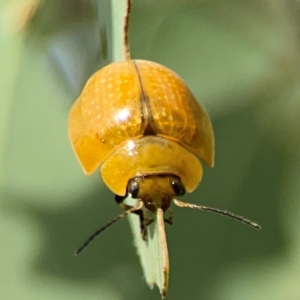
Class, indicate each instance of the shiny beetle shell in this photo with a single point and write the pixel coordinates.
(139, 118)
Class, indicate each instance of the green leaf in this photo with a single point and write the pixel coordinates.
(153, 254)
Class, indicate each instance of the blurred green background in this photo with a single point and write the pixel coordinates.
(241, 59)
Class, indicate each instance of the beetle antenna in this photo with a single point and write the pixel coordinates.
(218, 211)
(114, 220)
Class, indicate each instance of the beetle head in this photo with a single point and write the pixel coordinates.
(156, 191)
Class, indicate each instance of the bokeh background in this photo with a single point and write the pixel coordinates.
(241, 58)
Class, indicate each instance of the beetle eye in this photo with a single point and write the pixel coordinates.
(178, 187)
(133, 188)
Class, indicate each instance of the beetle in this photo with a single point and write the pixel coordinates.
(142, 124)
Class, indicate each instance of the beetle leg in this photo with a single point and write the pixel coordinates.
(139, 212)
(147, 223)
(169, 220)
(147, 220)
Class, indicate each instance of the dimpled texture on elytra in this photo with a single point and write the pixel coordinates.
(109, 113)
(125, 100)
(176, 113)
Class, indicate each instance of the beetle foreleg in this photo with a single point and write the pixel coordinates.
(139, 212)
(169, 220)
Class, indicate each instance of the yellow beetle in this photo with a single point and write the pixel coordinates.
(139, 120)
